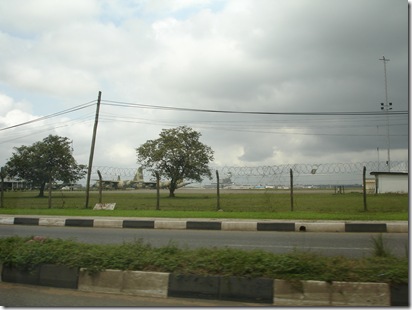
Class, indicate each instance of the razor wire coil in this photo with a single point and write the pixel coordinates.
(274, 170)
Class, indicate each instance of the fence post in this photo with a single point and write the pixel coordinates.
(218, 191)
(291, 190)
(100, 186)
(157, 190)
(365, 208)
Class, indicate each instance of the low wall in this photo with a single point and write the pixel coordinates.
(261, 290)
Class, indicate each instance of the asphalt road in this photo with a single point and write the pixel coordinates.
(332, 244)
(20, 295)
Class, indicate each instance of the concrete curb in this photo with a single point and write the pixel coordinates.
(147, 284)
(261, 290)
(320, 293)
(228, 225)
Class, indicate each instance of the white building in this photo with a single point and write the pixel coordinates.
(391, 182)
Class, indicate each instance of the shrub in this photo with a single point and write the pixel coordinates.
(27, 253)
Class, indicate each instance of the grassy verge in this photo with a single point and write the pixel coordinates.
(264, 204)
(25, 253)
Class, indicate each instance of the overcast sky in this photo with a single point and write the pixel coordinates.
(268, 56)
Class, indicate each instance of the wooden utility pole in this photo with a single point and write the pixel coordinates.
(291, 190)
(2, 188)
(89, 170)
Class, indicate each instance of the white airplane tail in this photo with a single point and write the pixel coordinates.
(138, 177)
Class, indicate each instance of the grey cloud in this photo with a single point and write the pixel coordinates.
(281, 56)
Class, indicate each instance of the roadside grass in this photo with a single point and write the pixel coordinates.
(27, 253)
(265, 204)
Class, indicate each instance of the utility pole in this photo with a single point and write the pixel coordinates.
(291, 190)
(386, 107)
(89, 170)
(2, 187)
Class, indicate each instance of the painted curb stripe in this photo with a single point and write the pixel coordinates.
(79, 222)
(397, 227)
(246, 289)
(276, 226)
(399, 295)
(365, 227)
(193, 286)
(26, 221)
(58, 276)
(138, 224)
(204, 225)
(44, 275)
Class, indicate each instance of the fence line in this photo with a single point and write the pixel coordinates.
(274, 170)
(272, 173)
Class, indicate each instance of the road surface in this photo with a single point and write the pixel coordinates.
(347, 244)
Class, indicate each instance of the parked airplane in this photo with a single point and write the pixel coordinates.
(224, 182)
(137, 183)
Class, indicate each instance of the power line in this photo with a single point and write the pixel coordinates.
(76, 108)
(46, 128)
(169, 108)
(249, 128)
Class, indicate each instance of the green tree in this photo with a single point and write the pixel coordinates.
(44, 162)
(177, 154)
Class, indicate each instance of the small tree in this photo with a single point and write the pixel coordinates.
(45, 162)
(177, 154)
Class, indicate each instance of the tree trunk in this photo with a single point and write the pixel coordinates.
(42, 187)
(50, 192)
(172, 188)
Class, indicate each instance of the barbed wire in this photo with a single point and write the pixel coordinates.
(273, 170)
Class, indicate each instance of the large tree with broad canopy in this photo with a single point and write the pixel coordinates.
(44, 162)
(176, 155)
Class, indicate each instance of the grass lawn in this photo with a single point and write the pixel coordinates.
(257, 204)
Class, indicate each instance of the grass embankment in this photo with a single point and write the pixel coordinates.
(26, 253)
(259, 204)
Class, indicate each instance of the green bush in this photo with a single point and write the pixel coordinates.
(27, 253)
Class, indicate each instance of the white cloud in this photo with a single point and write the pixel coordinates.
(281, 56)
(12, 112)
(29, 17)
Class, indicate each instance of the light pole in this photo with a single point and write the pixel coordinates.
(386, 107)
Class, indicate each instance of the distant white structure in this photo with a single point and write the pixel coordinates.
(391, 182)
(370, 186)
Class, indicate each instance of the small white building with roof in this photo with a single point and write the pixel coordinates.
(391, 182)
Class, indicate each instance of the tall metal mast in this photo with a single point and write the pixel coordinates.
(387, 106)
